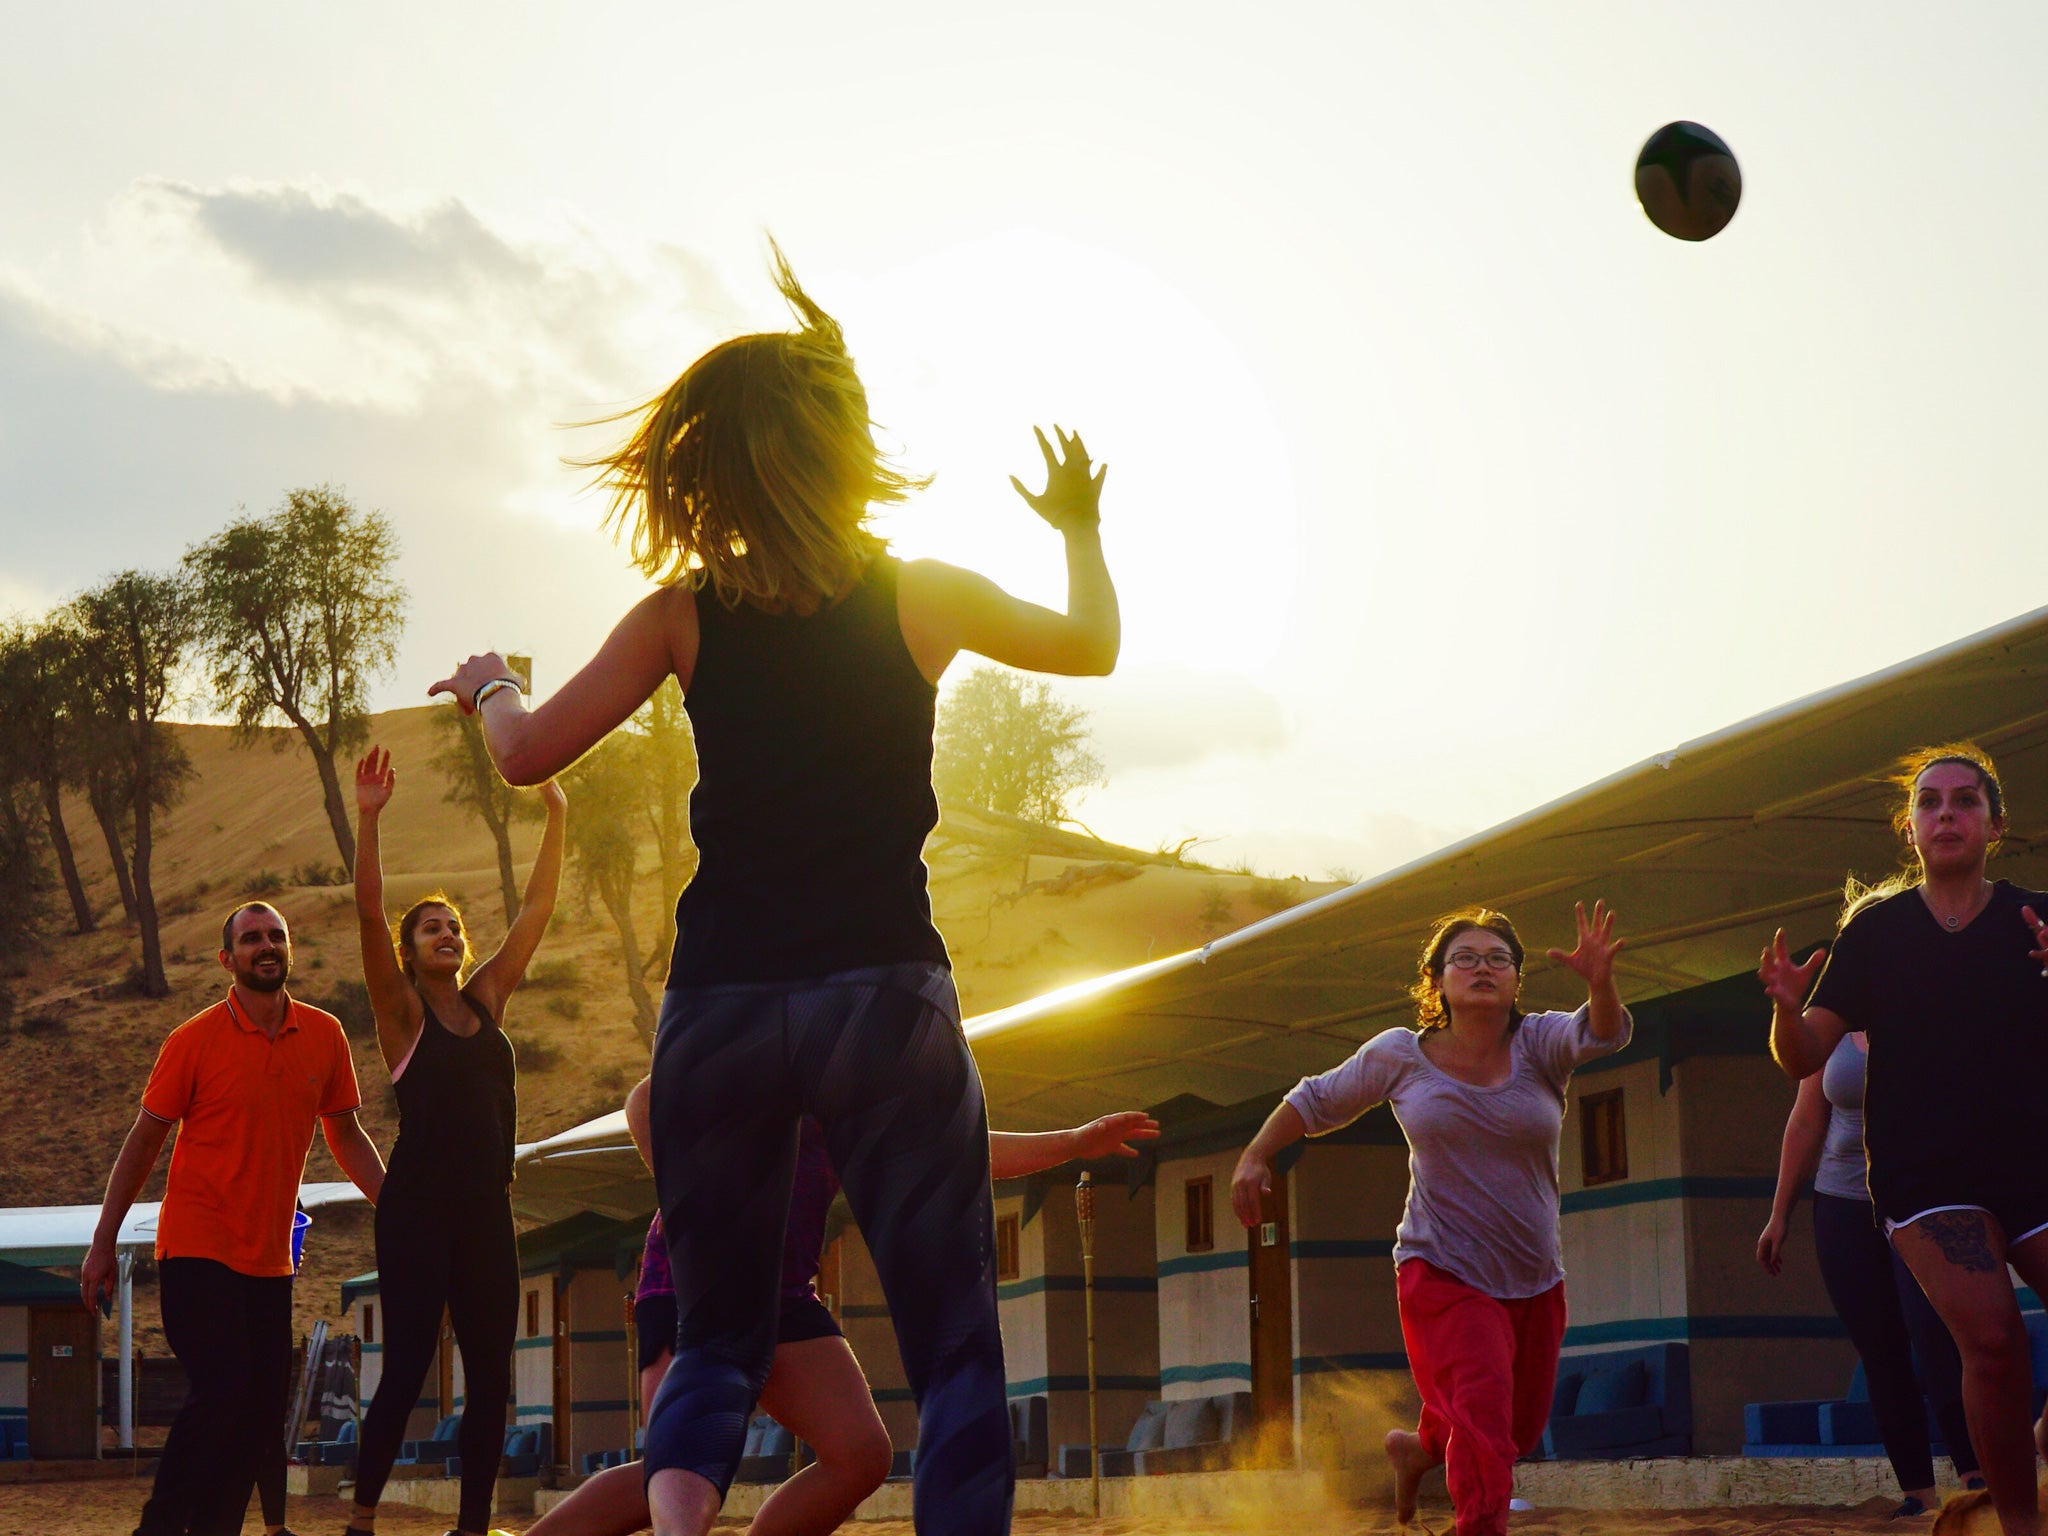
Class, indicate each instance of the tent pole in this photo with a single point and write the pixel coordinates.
(127, 1264)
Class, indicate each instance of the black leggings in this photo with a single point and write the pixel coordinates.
(461, 1255)
(1890, 1320)
(879, 1057)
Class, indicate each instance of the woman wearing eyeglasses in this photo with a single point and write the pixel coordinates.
(1478, 1088)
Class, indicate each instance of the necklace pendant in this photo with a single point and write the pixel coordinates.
(1953, 922)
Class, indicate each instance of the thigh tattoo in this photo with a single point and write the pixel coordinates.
(1964, 1238)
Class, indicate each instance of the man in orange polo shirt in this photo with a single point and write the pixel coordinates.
(246, 1080)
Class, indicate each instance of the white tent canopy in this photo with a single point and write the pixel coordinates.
(1703, 850)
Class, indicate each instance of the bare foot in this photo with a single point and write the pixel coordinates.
(1410, 1461)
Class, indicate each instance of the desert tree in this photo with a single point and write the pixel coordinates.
(471, 781)
(298, 610)
(609, 790)
(1008, 743)
(669, 753)
(136, 633)
(38, 665)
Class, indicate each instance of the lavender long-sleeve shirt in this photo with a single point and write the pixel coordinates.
(1482, 1162)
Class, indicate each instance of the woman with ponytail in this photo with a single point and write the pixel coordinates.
(807, 978)
(1944, 972)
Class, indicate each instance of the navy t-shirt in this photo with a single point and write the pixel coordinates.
(1957, 1023)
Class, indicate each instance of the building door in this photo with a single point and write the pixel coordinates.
(1272, 1304)
(63, 1382)
(560, 1386)
(444, 1367)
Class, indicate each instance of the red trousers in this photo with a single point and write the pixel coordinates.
(1486, 1369)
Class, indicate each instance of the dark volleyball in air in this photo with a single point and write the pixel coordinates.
(1688, 182)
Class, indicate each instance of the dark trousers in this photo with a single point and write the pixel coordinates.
(1890, 1320)
(460, 1255)
(878, 1056)
(233, 1335)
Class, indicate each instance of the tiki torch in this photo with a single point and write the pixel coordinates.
(1084, 1208)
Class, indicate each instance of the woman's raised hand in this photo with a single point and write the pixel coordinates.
(375, 779)
(1072, 498)
(1786, 983)
(1593, 959)
(470, 676)
(554, 797)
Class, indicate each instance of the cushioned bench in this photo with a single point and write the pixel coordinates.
(1847, 1425)
(339, 1451)
(1192, 1434)
(14, 1438)
(436, 1448)
(1621, 1403)
(769, 1447)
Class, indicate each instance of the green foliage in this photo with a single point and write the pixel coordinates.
(1217, 911)
(471, 780)
(265, 882)
(536, 1054)
(544, 974)
(608, 791)
(313, 872)
(298, 610)
(1273, 895)
(1008, 743)
(565, 1007)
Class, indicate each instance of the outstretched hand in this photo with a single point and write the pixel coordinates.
(1072, 498)
(1787, 983)
(1110, 1135)
(470, 676)
(1593, 959)
(375, 779)
(2039, 953)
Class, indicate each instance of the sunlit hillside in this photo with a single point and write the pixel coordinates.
(1023, 908)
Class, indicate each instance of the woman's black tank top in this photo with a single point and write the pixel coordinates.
(814, 792)
(458, 1112)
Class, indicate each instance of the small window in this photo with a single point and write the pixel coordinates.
(1201, 1232)
(1008, 1265)
(369, 1322)
(533, 1314)
(1603, 1138)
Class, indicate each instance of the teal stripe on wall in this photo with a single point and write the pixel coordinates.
(864, 1310)
(600, 1405)
(1372, 1360)
(373, 1349)
(1037, 1384)
(1226, 1370)
(541, 1343)
(1342, 1248)
(1659, 1330)
(13, 1359)
(599, 1336)
(1201, 1263)
(536, 1411)
(1648, 1191)
(1012, 1290)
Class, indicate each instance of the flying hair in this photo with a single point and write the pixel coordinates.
(1905, 778)
(755, 472)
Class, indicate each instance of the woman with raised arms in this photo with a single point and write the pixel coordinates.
(445, 1239)
(1944, 971)
(807, 977)
(1479, 1089)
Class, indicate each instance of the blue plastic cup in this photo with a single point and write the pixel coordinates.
(300, 1221)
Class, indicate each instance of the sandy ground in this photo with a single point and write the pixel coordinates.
(110, 1509)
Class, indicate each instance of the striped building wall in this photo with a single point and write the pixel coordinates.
(864, 1316)
(1205, 1343)
(1044, 1311)
(1350, 1369)
(13, 1360)
(602, 1375)
(533, 1352)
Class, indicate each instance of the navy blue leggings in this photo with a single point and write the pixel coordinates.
(878, 1056)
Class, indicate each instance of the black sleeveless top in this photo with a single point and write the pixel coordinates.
(814, 792)
(458, 1112)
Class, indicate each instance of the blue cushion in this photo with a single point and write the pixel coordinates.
(1626, 1386)
(1149, 1433)
(1192, 1421)
(1565, 1397)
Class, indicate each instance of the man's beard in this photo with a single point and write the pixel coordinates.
(265, 982)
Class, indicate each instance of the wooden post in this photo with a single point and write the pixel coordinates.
(1084, 1208)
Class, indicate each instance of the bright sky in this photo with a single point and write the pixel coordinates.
(1441, 483)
